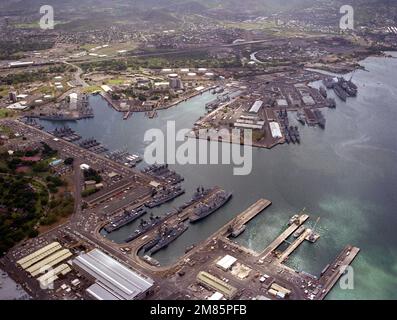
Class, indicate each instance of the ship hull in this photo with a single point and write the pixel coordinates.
(165, 243)
(196, 218)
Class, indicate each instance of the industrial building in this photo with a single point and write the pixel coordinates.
(256, 107)
(275, 129)
(279, 291)
(36, 256)
(73, 97)
(213, 283)
(13, 96)
(48, 278)
(106, 88)
(282, 103)
(216, 296)
(17, 64)
(247, 125)
(160, 86)
(18, 106)
(46, 258)
(308, 100)
(226, 262)
(249, 122)
(49, 262)
(176, 83)
(113, 280)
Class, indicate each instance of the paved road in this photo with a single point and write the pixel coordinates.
(77, 79)
(77, 75)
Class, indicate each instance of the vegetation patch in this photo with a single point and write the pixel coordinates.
(30, 197)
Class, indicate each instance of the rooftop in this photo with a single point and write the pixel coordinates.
(113, 278)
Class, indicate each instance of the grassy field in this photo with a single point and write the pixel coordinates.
(91, 89)
(263, 25)
(46, 90)
(3, 91)
(5, 113)
(115, 81)
(87, 47)
(32, 25)
(5, 130)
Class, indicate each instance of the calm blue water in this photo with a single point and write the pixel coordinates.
(345, 174)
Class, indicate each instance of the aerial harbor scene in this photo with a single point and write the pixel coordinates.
(193, 151)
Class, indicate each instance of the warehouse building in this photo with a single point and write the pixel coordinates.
(38, 255)
(49, 262)
(106, 88)
(213, 283)
(46, 259)
(113, 280)
(47, 279)
(73, 98)
(247, 125)
(216, 297)
(226, 262)
(18, 64)
(275, 129)
(308, 100)
(282, 103)
(256, 107)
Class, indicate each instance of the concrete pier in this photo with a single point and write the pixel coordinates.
(250, 213)
(293, 246)
(337, 269)
(283, 236)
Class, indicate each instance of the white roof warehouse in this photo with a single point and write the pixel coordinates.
(113, 280)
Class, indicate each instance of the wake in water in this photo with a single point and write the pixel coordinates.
(343, 149)
(354, 149)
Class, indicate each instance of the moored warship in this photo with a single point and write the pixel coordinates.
(164, 196)
(127, 217)
(167, 238)
(203, 210)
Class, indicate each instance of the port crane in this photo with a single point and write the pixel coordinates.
(312, 236)
(233, 225)
(315, 224)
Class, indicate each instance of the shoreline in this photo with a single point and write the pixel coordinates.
(163, 107)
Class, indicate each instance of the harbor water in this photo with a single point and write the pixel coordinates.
(345, 174)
